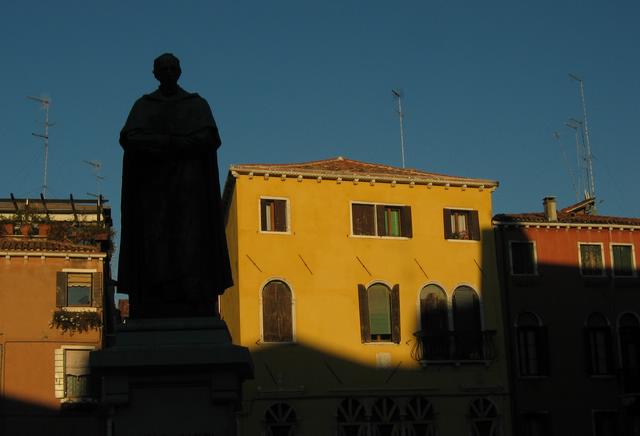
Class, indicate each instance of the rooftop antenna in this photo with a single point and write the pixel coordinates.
(45, 102)
(398, 95)
(582, 177)
(566, 161)
(590, 192)
(96, 166)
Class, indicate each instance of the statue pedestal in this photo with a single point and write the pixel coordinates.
(174, 376)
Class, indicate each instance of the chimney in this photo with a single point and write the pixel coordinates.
(550, 210)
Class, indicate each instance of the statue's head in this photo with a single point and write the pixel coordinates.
(166, 69)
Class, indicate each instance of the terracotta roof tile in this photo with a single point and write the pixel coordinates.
(343, 167)
(567, 218)
(44, 245)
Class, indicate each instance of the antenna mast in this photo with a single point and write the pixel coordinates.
(45, 102)
(396, 93)
(590, 192)
(97, 166)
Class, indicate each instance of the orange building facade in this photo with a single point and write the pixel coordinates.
(53, 268)
(572, 292)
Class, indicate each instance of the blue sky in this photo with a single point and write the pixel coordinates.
(485, 87)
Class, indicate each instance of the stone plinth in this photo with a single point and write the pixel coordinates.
(171, 377)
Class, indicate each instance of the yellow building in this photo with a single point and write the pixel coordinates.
(368, 296)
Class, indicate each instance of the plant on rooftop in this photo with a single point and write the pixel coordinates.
(75, 322)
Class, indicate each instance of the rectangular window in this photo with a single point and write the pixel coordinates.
(591, 261)
(622, 256)
(461, 224)
(523, 259)
(78, 289)
(73, 379)
(381, 220)
(273, 215)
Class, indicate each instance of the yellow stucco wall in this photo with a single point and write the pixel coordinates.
(27, 302)
(328, 361)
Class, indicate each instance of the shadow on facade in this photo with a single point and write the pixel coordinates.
(573, 331)
(19, 417)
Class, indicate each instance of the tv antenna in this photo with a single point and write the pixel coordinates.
(587, 161)
(398, 95)
(45, 102)
(96, 166)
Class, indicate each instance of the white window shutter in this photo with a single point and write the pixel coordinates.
(58, 367)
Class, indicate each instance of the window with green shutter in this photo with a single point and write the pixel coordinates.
(370, 219)
(379, 312)
(622, 260)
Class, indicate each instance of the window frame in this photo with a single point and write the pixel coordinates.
(96, 290)
(603, 267)
(593, 353)
(534, 259)
(394, 314)
(261, 312)
(287, 213)
(60, 374)
(541, 347)
(473, 224)
(403, 231)
(634, 271)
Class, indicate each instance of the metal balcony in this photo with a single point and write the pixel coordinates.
(454, 346)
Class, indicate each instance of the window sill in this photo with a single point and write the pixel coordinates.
(79, 400)
(80, 308)
(533, 377)
(602, 376)
(462, 240)
(262, 342)
(380, 343)
(379, 237)
(274, 232)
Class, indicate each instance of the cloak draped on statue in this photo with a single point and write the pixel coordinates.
(173, 251)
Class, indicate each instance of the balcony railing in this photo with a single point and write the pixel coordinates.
(454, 346)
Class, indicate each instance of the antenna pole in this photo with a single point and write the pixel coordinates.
(46, 102)
(398, 96)
(587, 142)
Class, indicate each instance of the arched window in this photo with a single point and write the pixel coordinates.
(277, 320)
(466, 321)
(532, 347)
(598, 344)
(630, 352)
(420, 418)
(385, 418)
(280, 420)
(434, 323)
(379, 313)
(351, 418)
(483, 417)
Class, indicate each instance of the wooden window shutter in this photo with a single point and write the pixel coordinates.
(58, 368)
(96, 290)
(365, 334)
(474, 225)
(285, 321)
(61, 289)
(380, 219)
(395, 314)
(280, 224)
(405, 226)
(263, 214)
(363, 218)
(446, 213)
(542, 345)
(269, 313)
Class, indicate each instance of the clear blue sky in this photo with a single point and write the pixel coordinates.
(485, 87)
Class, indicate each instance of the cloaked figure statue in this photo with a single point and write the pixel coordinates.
(173, 252)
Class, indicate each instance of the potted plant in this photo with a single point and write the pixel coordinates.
(75, 322)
